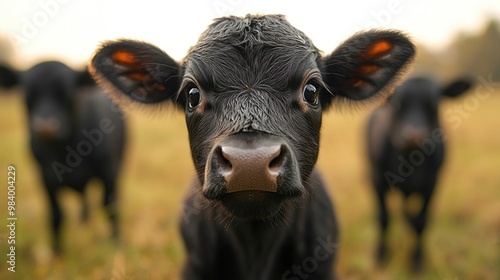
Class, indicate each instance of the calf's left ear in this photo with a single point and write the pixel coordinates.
(366, 66)
(8, 77)
(84, 78)
(133, 71)
(456, 88)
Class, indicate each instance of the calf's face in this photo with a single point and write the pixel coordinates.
(414, 107)
(253, 90)
(49, 89)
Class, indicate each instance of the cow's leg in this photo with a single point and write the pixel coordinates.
(110, 203)
(111, 208)
(56, 215)
(85, 209)
(383, 217)
(418, 223)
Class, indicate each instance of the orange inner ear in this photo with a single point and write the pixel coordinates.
(123, 57)
(357, 83)
(367, 69)
(139, 74)
(147, 81)
(379, 48)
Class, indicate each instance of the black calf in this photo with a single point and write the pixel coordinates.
(406, 150)
(76, 132)
(253, 90)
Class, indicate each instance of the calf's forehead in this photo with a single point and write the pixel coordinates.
(272, 29)
(49, 76)
(251, 51)
(418, 89)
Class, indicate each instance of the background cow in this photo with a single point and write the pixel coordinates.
(253, 90)
(76, 133)
(406, 150)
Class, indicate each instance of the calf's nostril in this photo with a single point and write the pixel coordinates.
(278, 160)
(223, 159)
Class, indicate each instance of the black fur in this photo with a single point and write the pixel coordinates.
(406, 150)
(248, 76)
(76, 133)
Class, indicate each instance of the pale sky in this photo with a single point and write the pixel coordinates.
(71, 30)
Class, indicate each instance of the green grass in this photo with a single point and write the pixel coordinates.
(462, 240)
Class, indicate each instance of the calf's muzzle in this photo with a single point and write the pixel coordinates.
(247, 161)
(251, 169)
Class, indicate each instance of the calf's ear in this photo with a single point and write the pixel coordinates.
(456, 88)
(84, 78)
(8, 77)
(136, 71)
(366, 66)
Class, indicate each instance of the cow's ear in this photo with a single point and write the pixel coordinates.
(366, 66)
(8, 77)
(84, 78)
(136, 71)
(456, 88)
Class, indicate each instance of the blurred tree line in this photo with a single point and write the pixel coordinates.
(469, 55)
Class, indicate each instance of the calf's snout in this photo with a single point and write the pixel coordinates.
(408, 136)
(247, 161)
(251, 168)
(45, 128)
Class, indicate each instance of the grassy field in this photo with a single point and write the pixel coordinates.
(462, 241)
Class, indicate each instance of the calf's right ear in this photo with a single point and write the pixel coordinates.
(8, 77)
(456, 88)
(367, 66)
(136, 71)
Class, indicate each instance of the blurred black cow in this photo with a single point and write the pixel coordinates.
(76, 132)
(253, 90)
(406, 150)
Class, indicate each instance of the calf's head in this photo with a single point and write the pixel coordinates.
(414, 107)
(253, 90)
(49, 90)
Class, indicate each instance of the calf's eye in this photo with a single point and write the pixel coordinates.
(194, 97)
(310, 94)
